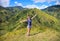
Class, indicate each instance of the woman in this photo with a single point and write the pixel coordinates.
(29, 23)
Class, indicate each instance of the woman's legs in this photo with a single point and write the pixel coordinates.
(28, 31)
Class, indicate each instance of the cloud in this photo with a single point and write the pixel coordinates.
(35, 6)
(57, 2)
(43, 6)
(42, 1)
(31, 6)
(4, 3)
(18, 4)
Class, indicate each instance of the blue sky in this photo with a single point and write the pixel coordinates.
(40, 4)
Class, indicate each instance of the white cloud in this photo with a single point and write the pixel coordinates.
(35, 6)
(50, 4)
(42, 1)
(43, 6)
(18, 4)
(57, 2)
(4, 3)
(31, 6)
(0, 2)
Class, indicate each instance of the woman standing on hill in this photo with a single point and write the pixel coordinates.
(29, 23)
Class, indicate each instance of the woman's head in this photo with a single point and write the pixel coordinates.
(28, 16)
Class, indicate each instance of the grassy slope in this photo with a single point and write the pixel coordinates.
(36, 35)
(39, 32)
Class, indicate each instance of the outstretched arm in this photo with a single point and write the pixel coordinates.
(23, 21)
(26, 20)
(34, 16)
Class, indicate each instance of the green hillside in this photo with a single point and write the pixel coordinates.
(42, 24)
(53, 10)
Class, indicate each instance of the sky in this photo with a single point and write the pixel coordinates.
(39, 4)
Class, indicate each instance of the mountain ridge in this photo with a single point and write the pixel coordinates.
(53, 10)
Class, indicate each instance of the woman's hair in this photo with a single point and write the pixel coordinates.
(29, 16)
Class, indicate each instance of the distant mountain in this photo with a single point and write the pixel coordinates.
(53, 10)
(18, 7)
(1, 8)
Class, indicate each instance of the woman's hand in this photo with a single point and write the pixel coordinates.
(34, 16)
